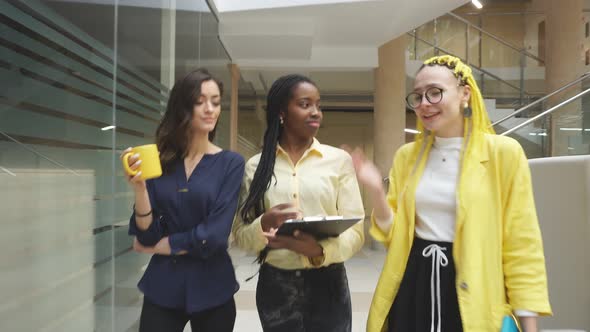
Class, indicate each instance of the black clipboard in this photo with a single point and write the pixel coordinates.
(319, 227)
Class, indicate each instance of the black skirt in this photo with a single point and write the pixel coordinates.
(427, 297)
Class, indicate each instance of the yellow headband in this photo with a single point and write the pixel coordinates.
(460, 70)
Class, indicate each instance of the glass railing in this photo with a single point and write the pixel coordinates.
(556, 125)
(510, 73)
(507, 94)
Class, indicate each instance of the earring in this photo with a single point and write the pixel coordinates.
(467, 112)
(281, 120)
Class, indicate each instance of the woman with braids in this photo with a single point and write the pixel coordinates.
(302, 285)
(184, 217)
(459, 219)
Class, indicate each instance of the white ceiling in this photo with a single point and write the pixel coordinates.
(342, 35)
(238, 5)
(336, 37)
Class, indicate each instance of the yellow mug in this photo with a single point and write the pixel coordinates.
(150, 161)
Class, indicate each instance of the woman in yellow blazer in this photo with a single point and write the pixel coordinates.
(459, 219)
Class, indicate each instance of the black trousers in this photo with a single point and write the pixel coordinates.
(314, 300)
(155, 318)
(427, 291)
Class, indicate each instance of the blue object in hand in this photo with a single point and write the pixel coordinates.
(509, 324)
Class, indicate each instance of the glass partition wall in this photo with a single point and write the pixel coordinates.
(79, 82)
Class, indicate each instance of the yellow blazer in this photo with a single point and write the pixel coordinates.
(498, 249)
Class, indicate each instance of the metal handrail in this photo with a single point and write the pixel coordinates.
(540, 100)
(549, 111)
(10, 138)
(247, 143)
(472, 66)
(500, 40)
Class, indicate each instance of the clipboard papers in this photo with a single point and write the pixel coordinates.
(320, 227)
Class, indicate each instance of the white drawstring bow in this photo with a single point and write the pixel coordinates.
(438, 259)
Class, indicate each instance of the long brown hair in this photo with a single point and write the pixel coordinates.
(174, 131)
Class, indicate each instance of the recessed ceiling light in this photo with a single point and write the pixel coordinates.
(411, 131)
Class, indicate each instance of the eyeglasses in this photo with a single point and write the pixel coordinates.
(433, 94)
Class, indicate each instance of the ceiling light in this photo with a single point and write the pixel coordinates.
(7, 171)
(477, 4)
(411, 131)
(107, 128)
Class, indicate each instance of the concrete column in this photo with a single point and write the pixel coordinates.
(389, 105)
(260, 113)
(564, 62)
(233, 114)
(168, 45)
(389, 115)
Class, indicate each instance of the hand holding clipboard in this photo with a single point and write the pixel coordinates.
(319, 227)
(274, 217)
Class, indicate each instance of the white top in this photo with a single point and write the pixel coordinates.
(436, 194)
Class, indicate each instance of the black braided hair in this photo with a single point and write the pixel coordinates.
(277, 100)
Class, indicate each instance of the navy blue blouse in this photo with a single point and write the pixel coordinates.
(197, 216)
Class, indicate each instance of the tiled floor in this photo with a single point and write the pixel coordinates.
(363, 271)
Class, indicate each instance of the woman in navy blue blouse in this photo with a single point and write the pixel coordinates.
(184, 217)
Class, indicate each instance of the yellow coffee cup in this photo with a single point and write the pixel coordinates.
(150, 161)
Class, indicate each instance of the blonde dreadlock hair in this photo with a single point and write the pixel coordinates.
(475, 125)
